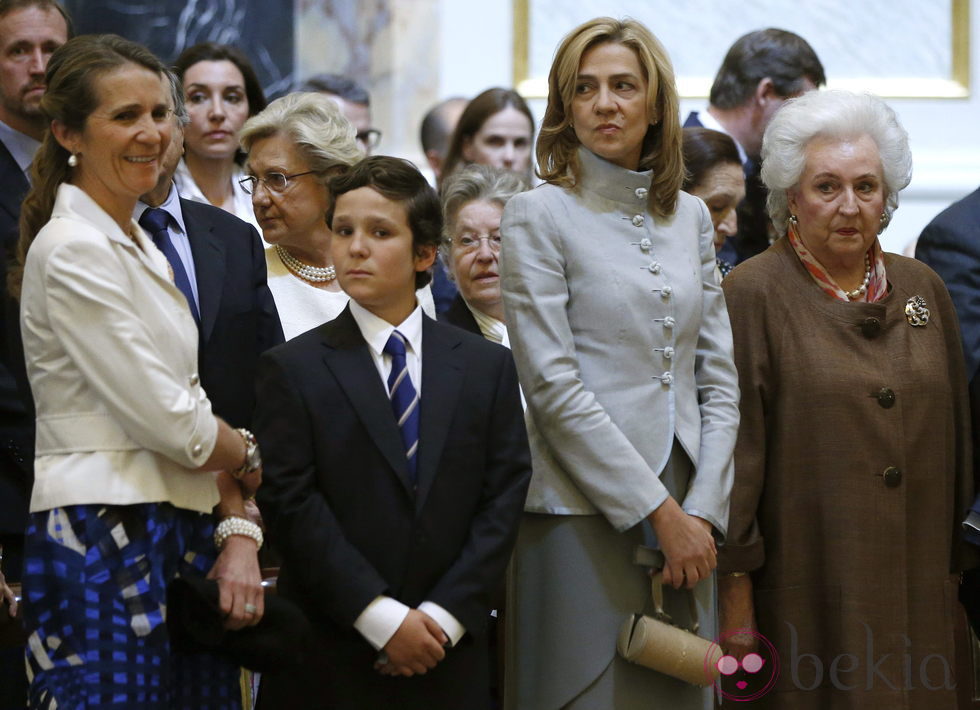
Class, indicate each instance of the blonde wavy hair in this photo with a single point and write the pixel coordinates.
(557, 146)
(314, 123)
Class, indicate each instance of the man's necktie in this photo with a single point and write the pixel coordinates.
(404, 401)
(154, 220)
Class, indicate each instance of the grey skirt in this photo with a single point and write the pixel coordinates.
(573, 583)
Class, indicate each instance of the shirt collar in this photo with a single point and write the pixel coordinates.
(491, 328)
(376, 331)
(709, 121)
(21, 146)
(171, 206)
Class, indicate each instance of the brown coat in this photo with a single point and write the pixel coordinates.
(845, 559)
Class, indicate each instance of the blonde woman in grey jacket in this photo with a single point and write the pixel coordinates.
(624, 351)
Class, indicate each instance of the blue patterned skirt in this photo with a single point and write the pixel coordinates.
(95, 582)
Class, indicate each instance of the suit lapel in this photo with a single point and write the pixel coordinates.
(347, 356)
(209, 266)
(442, 377)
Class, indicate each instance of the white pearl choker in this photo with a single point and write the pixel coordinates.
(863, 288)
(307, 272)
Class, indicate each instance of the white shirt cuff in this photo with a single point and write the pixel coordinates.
(450, 626)
(380, 620)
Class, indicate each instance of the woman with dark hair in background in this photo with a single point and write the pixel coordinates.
(714, 173)
(496, 129)
(222, 92)
(127, 446)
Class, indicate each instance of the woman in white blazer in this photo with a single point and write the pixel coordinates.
(624, 351)
(126, 441)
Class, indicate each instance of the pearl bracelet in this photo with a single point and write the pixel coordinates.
(233, 525)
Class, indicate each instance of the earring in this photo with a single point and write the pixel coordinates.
(884, 222)
(793, 220)
(72, 160)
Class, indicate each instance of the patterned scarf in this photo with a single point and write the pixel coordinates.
(877, 286)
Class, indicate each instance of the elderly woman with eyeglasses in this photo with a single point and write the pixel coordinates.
(294, 146)
(473, 202)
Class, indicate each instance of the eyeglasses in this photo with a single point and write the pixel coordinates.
(371, 137)
(274, 182)
(472, 242)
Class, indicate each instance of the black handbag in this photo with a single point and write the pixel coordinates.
(281, 640)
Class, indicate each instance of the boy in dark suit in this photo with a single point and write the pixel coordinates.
(396, 467)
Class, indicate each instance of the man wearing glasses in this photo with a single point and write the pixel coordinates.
(354, 102)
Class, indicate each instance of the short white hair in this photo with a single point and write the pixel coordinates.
(473, 183)
(835, 114)
(316, 126)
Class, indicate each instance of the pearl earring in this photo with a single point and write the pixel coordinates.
(793, 220)
(72, 160)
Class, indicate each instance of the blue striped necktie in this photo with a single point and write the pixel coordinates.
(154, 220)
(404, 401)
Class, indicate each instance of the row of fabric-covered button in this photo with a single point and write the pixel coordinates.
(871, 328)
(656, 268)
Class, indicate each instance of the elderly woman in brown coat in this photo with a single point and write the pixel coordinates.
(852, 466)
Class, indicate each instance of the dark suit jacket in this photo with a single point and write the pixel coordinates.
(460, 315)
(950, 244)
(16, 408)
(239, 320)
(753, 219)
(337, 501)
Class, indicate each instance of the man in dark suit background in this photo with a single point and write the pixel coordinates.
(224, 262)
(395, 469)
(760, 71)
(950, 244)
(30, 30)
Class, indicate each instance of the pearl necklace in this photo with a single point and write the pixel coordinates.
(863, 288)
(307, 272)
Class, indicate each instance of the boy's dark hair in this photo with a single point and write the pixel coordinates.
(401, 182)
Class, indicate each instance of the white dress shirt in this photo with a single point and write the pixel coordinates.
(381, 618)
(709, 121)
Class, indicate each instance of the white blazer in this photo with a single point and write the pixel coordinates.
(111, 352)
(622, 343)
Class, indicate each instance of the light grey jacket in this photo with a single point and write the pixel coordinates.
(622, 342)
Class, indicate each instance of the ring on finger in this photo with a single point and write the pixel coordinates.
(250, 609)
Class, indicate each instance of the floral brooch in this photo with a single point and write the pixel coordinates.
(916, 311)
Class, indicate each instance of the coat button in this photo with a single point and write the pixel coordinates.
(669, 322)
(870, 327)
(893, 477)
(665, 292)
(637, 220)
(641, 192)
(194, 379)
(667, 378)
(196, 450)
(668, 352)
(645, 244)
(885, 397)
(654, 267)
